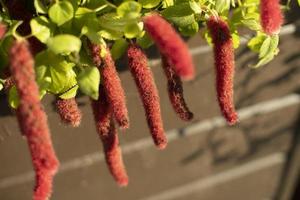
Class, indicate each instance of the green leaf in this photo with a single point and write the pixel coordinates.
(190, 29)
(133, 30)
(145, 41)
(255, 43)
(149, 3)
(195, 7)
(222, 5)
(13, 97)
(268, 50)
(71, 93)
(119, 48)
(63, 78)
(40, 7)
(235, 39)
(64, 44)
(92, 34)
(179, 10)
(40, 28)
(88, 81)
(252, 24)
(129, 9)
(61, 12)
(299, 2)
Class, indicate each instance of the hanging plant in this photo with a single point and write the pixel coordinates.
(61, 47)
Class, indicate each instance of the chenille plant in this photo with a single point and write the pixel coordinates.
(61, 47)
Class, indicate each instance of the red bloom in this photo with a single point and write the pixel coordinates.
(108, 134)
(148, 92)
(171, 45)
(224, 64)
(102, 112)
(68, 111)
(175, 91)
(270, 16)
(2, 30)
(114, 90)
(32, 119)
(95, 51)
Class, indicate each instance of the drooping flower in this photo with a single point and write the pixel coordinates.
(224, 66)
(170, 44)
(114, 90)
(68, 111)
(95, 51)
(32, 119)
(108, 135)
(175, 91)
(137, 62)
(271, 16)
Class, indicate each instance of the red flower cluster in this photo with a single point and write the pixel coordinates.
(143, 77)
(224, 64)
(270, 16)
(95, 51)
(175, 91)
(108, 134)
(32, 119)
(114, 90)
(68, 111)
(171, 45)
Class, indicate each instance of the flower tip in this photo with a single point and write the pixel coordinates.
(188, 77)
(188, 117)
(232, 120)
(76, 123)
(123, 182)
(124, 124)
(162, 145)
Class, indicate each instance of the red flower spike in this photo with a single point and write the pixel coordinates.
(171, 45)
(102, 112)
(108, 135)
(270, 16)
(224, 64)
(2, 30)
(143, 77)
(114, 91)
(95, 51)
(68, 111)
(32, 119)
(113, 155)
(175, 91)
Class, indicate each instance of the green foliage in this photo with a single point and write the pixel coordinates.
(88, 81)
(64, 26)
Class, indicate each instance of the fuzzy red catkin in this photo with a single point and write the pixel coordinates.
(224, 66)
(114, 90)
(68, 111)
(175, 91)
(95, 53)
(32, 119)
(271, 16)
(171, 45)
(108, 135)
(137, 62)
